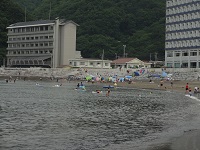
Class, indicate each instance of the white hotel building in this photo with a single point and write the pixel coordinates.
(43, 43)
(182, 41)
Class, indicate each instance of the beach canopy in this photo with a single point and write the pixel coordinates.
(128, 77)
(114, 79)
(89, 78)
(136, 73)
(121, 79)
(164, 74)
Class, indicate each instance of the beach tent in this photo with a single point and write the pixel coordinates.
(121, 79)
(164, 74)
(114, 79)
(136, 73)
(89, 78)
(128, 77)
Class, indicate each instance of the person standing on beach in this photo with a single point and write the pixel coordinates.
(108, 92)
(186, 88)
(171, 84)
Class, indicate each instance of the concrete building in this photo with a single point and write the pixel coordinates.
(182, 44)
(43, 43)
(90, 63)
(128, 63)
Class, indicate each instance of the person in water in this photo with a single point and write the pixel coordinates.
(81, 84)
(108, 92)
(98, 91)
(78, 85)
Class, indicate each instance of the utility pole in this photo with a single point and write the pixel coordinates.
(156, 58)
(25, 15)
(50, 12)
(124, 50)
(102, 57)
(150, 56)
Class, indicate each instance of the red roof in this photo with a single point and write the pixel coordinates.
(121, 60)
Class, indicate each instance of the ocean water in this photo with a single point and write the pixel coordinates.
(58, 118)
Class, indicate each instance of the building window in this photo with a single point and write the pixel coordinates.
(41, 28)
(177, 54)
(50, 43)
(193, 53)
(169, 64)
(91, 63)
(82, 63)
(46, 28)
(185, 54)
(177, 65)
(170, 54)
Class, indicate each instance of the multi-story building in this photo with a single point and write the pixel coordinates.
(43, 43)
(182, 44)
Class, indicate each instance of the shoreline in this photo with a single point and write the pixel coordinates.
(178, 85)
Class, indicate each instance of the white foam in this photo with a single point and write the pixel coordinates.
(193, 97)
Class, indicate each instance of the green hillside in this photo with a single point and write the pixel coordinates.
(9, 13)
(110, 24)
(138, 24)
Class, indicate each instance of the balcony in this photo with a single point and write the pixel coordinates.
(31, 41)
(30, 33)
(30, 48)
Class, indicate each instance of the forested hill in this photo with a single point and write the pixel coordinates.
(9, 13)
(109, 24)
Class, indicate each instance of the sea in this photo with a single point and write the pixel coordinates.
(47, 117)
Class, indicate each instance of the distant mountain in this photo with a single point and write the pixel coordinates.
(109, 24)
